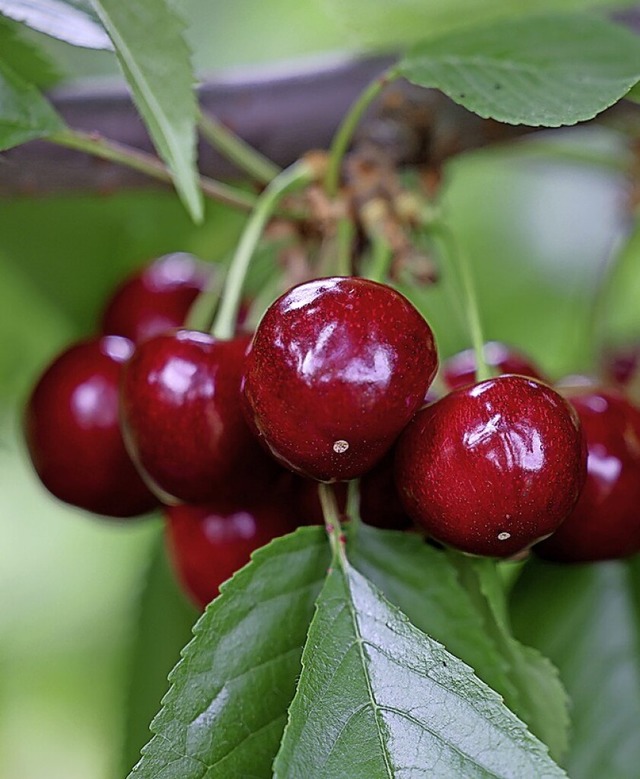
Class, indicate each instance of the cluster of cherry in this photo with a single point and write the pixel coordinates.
(232, 436)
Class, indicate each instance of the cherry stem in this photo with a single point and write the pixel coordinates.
(344, 134)
(92, 143)
(344, 241)
(237, 150)
(295, 176)
(381, 257)
(461, 262)
(332, 519)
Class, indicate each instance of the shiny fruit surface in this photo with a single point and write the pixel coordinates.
(182, 420)
(492, 468)
(208, 544)
(156, 298)
(337, 368)
(605, 523)
(73, 435)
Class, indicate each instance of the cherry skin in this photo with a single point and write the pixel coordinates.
(460, 370)
(605, 524)
(72, 431)
(492, 468)
(337, 368)
(182, 419)
(208, 544)
(156, 298)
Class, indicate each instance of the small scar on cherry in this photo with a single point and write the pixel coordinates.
(341, 446)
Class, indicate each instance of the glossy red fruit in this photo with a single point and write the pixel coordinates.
(605, 523)
(156, 298)
(460, 370)
(492, 468)
(208, 544)
(182, 420)
(620, 365)
(337, 368)
(73, 435)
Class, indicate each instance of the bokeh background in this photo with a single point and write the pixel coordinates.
(540, 232)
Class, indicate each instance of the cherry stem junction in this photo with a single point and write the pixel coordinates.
(237, 150)
(332, 520)
(94, 144)
(297, 175)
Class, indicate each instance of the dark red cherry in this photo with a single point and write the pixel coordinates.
(605, 523)
(620, 365)
(337, 368)
(460, 370)
(182, 420)
(492, 468)
(208, 544)
(156, 298)
(73, 435)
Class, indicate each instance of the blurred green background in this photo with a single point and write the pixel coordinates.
(539, 234)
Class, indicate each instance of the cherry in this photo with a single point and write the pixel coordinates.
(460, 370)
(207, 544)
(156, 298)
(337, 368)
(492, 468)
(72, 431)
(620, 365)
(183, 423)
(605, 523)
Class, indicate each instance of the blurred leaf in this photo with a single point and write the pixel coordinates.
(163, 629)
(378, 698)
(25, 114)
(26, 60)
(585, 618)
(448, 597)
(227, 706)
(381, 23)
(539, 71)
(73, 21)
(149, 40)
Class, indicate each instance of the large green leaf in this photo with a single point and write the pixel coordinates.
(24, 113)
(227, 707)
(73, 21)
(25, 59)
(378, 698)
(163, 627)
(149, 40)
(544, 70)
(383, 23)
(457, 601)
(585, 619)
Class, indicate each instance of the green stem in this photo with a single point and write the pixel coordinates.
(344, 134)
(297, 175)
(470, 300)
(381, 256)
(238, 151)
(332, 519)
(344, 242)
(147, 164)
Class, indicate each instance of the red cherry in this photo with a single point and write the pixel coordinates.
(208, 544)
(72, 431)
(183, 424)
(620, 366)
(460, 370)
(492, 468)
(156, 298)
(605, 523)
(337, 368)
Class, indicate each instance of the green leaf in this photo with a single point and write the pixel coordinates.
(585, 618)
(227, 707)
(382, 23)
(545, 70)
(149, 40)
(24, 113)
(25, 59)
(72, 21)
(459, 602)
(378, 698)
(164, 623)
